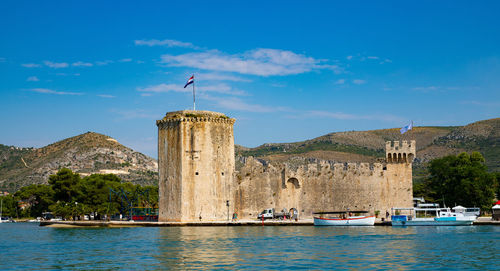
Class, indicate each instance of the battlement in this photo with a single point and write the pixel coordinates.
(396, 152)
(195, 116)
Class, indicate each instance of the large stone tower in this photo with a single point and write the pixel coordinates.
(196, 164)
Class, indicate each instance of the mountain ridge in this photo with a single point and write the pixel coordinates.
(368, 146)
(96, 153)
(86, 154)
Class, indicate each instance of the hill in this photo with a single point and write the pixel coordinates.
(86, 154)
(96, 153)
(368, 146)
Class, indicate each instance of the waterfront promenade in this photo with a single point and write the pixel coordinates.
(302, 222)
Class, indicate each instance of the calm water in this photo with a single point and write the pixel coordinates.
(28, 246)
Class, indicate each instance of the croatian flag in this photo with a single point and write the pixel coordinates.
(406, 128)
(190, 81)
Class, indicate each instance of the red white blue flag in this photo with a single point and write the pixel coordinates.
(190, 81)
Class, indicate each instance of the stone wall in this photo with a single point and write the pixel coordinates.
(198, 182)
(322, 186)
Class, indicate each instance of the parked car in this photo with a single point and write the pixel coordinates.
(272, 214)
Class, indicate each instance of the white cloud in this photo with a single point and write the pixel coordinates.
(440, 88)
(163, 88)
(373, 57)
(218, 88)
(332, 115)
(428, 88)
(125, 60)
(263, 62)
(220, 77)
(32, 79)
(349, 57)
(135, 114)
(106, 96)
(31, 65)
(49, 91)
(102, 63)
(358, 81)
(56, 65)
(82, 64)
(340, 82)
(221, 88)
(478, 103)
(237, 104)
(385, 61)
(166, 43)
(346, 116)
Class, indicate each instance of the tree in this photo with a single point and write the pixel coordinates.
(462, 180)
(9, 206)
(497, 178)
(68, 195)
(64, 184)
(94, 192)
(38, 196)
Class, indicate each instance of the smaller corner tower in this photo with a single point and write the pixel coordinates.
(396, 152)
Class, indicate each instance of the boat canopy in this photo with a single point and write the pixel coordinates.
(340, 212)
(459, 207)
(428, 205)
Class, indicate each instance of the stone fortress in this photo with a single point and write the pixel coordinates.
(198, 180)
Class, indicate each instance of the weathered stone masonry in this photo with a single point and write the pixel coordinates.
(198, 178)
(325, 186)
(196, 166)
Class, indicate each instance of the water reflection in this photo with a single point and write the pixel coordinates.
(32, 247)
(196, 247)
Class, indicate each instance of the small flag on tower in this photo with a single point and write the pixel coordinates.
(190, 81)
(407, 128)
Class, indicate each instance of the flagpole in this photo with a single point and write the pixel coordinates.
(194, 97)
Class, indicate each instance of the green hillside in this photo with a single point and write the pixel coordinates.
(369, 146)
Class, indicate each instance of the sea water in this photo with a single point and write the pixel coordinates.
(28, 246)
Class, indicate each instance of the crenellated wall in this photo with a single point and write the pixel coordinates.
(323, 186)
(198, 181)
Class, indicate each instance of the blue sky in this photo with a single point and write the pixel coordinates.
(286, 70)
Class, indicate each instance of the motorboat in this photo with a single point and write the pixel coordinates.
(433, 216)
(343, 218)
(467, 211)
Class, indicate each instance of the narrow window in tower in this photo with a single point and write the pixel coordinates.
(222, 173)
(196, 173)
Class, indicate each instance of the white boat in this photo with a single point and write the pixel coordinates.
(343, 218)
(430, 217)
(467, 211)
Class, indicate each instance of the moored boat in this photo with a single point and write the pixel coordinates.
(430, 217)
(343, 218)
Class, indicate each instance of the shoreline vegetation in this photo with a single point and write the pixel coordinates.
(71, 197)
